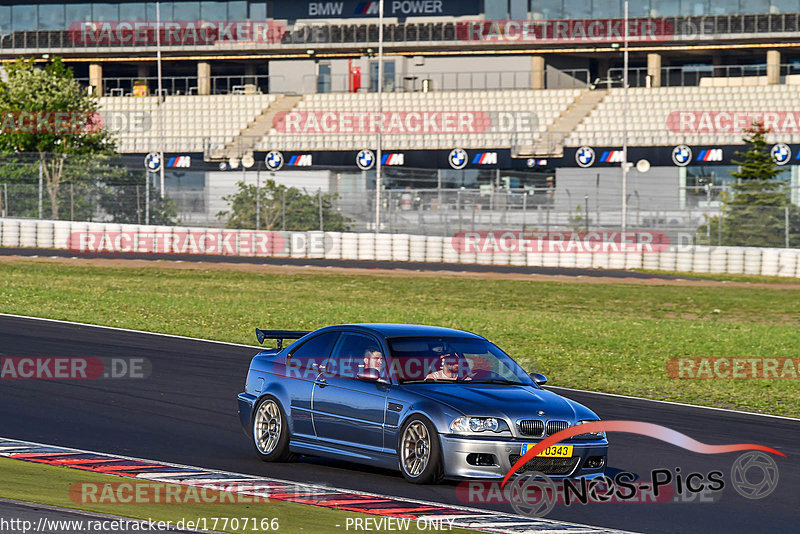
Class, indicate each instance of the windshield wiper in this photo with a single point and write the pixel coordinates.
(495, 381)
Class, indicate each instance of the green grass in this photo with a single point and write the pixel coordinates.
(723, 277)
(613, 337)
(44, 484)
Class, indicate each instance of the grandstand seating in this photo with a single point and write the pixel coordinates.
(189, 121)
(193, 123)
(650, 108)
(547, 105)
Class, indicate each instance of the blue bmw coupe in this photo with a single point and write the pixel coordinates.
(432, 402)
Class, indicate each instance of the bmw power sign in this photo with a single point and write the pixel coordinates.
(365, 160)
(458, 159)
(781, 153)
(584, 157)
(274, 160)
(681, 155)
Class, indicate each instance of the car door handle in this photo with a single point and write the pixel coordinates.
(321, 382)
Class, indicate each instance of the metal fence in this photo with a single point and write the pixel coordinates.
(693, 75)
(694, 215)
(342, 83)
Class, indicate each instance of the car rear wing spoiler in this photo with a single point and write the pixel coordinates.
(279, 335)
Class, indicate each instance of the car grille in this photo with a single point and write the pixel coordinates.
(548, 466)
(531, 427)
(556, 426)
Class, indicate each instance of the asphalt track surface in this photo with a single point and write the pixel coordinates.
(185, 412)
(347, 264)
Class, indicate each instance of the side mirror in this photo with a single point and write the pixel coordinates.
(539, 378)
(369, 375)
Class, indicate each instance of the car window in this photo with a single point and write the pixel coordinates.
(446, 359)
(353, 353)
(314, 351)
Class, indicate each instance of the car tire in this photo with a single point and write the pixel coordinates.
(419, 451)
(271, 431)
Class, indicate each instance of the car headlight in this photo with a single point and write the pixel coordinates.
(469, 425)
(589, 435)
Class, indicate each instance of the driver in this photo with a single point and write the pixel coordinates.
(454, 367)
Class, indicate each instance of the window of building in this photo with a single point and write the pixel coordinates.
(23, 18)
(186, 11)
(388, 76)
(5, 18)
(577, 9)
(785, 6)
(546, 10)
(665, 8)
(608, 9)
(518, 9)
(213, 11)
(324, 78)
(496, 9)
(51, 17)
(258, 11)
(167, 10)
(237, 10)
(130, 11)
(78, 13)
(105, 12)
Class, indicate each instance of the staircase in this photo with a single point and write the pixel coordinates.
(246, 141)
(551, 142)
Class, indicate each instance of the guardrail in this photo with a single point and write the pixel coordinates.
(102, 237)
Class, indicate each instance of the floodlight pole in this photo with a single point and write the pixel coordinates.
(625, 128)
(379, 156)
(160, 103)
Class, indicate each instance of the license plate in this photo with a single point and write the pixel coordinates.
(554, 451)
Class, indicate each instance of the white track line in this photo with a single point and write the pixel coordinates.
(739, 412)
(257, 347)
(119, 329)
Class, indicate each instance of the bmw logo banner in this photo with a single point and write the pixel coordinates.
(458, 158)
(584, 157)
(781, 153)
(365, 160)
(274, 161)
(681, 155)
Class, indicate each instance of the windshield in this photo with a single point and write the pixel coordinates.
(453, 359)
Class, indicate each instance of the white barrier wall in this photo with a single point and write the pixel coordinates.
(102, 237)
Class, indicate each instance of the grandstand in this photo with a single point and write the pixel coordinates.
(228, 96)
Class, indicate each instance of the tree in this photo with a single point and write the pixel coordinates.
(301, 213)
(47, 113)
(754, 213)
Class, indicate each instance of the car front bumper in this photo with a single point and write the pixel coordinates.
(459, 455)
